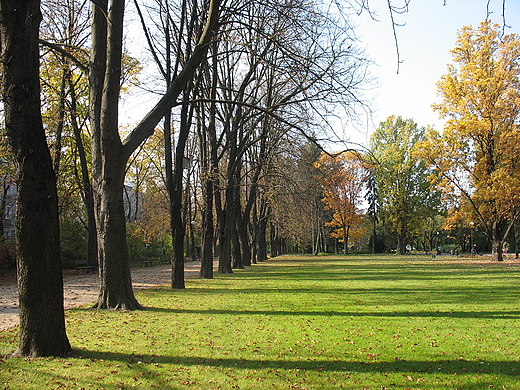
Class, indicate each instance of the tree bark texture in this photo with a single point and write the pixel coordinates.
(206, 265)
(40, 285)
(226, 230)
(235, 243)
(110, 154)
(262, 231)
(175, 191)
(500, 230)
(208, 230)
(209, 164)
(109, 157)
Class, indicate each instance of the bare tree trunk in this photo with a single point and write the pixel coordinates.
(208, 231)
(235, 223)
(262, 240)
(40, 285)
(262, 231)
(225, 232)
(109, 158)
(498, 236)
(110, 154)
(496, 250)
(208, 157)
(254, 233)
(206, 266)
(177, 225)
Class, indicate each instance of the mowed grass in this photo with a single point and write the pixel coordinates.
(357, 322)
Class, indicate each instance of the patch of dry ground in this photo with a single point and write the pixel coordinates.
(82, 289)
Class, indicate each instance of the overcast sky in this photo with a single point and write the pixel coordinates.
(425, 41)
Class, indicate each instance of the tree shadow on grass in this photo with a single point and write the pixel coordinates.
(431, 294)
(376, 274)
(390, 270)
(503, 315)
(416, 367)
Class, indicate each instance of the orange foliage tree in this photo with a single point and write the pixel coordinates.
(343, 191)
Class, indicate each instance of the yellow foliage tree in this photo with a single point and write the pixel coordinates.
(478, 154)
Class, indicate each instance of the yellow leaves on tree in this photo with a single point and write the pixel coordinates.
(478, 154)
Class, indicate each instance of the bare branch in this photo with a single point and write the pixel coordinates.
(399, 10)
(60, 49)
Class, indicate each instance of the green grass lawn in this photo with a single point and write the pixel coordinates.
(357, 322)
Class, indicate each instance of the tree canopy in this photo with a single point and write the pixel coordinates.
(405, 196)
(477, 155)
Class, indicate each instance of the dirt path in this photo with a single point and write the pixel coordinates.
(82, 289)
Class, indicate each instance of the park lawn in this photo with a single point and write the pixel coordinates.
(355, 322)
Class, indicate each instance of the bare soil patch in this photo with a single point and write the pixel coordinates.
(82, 289)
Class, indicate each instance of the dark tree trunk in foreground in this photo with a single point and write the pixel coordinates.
(110, 154)
(40, 285)
(109, 158)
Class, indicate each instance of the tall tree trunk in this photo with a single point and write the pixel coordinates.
(401, 247)
(225, 232)
(191, 214)
(496, 250)
(206, 265)
(209, 164)
(235, 236)
(262, 240)
(254, 233)
(109, 158)
(244, 221)
(499, 233)
(227, 223)
(85, 178)
(114, 266)
(177, 224)
(109, 153)
(40, 285)
(272, 240)
(262, 231)
(245, 243)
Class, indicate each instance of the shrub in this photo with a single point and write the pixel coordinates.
(7, 255)
(74, 239)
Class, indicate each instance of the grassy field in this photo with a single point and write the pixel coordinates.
(357, 322)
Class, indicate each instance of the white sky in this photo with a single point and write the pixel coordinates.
(425, 41)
